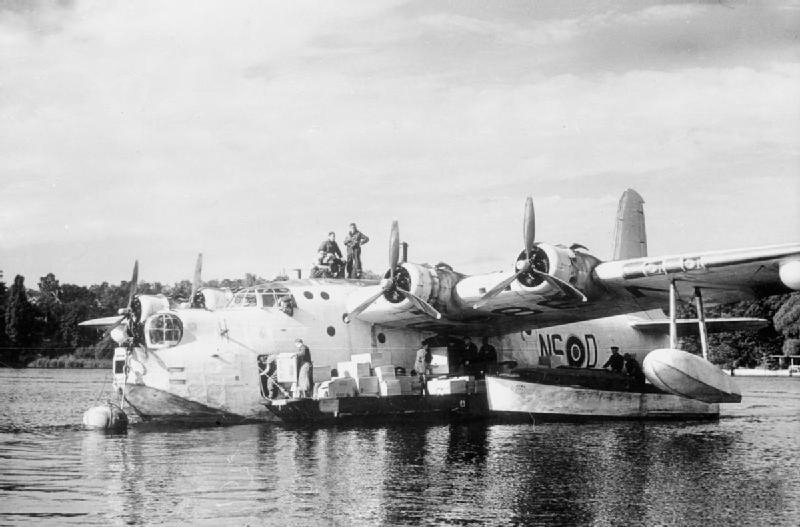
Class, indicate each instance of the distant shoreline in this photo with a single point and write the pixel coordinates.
(69, 362)
(761, 372)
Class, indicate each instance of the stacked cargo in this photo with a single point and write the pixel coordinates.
(353, 369)
(373, 374)
(368, 385)
(337, 387)
(391, 387)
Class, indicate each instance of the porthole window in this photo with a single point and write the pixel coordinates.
(324, 295)
(163, 330)
(331, 331)
(381, 338)
(308, 294)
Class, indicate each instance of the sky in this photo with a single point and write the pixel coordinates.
(247, 130)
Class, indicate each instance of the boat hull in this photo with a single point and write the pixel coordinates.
(516, 395)
(152, 404)
(383, 409)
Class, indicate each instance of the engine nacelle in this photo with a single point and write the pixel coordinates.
(553, 260)
(571, 266)
(414, 278)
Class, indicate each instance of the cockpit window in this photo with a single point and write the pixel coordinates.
(163, 330)
(259, 296)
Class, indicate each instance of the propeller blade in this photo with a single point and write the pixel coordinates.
(499, 288)
(364, 305)
(198, 268)
(394, 248)
(134, 282)
(566, 288)
(421, 304)
(529, 228)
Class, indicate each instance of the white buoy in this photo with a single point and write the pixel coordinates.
(106, 417)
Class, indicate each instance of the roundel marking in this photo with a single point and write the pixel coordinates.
(515, 311)
(575, 351)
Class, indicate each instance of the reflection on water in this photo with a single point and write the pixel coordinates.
(743, 469)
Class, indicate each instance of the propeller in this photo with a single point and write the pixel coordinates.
(127, 314)
(527, 267)
(390, 286)
(196, 283)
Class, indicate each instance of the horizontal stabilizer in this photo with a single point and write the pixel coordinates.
(689, 326)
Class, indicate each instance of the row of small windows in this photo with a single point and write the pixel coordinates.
(269, 297)
(310, 295)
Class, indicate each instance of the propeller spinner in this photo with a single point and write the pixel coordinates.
(391, 285)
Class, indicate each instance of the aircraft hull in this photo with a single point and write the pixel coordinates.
(152, 404)
(520, 396)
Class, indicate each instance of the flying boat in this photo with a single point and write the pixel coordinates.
(553, 314)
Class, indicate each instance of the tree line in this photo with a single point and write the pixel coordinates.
(39, 327)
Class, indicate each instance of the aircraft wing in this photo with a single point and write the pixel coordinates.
(612, 288)
(723, 276)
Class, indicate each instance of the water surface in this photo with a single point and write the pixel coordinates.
(741, 470)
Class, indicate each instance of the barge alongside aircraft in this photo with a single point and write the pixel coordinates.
(199, 363)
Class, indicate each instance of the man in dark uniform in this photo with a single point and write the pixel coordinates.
(354, 240)
(329, 254)
(633, 369)
(616, 361)
(470, 356)
(327, 247)
(487, 357)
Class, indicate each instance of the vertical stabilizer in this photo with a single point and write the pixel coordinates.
(630, 240)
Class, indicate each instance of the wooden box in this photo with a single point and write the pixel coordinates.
(390, 387)
(287, 366)
(353, 369)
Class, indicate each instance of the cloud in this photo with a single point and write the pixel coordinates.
(247, 132)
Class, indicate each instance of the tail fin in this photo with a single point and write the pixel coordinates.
(630, 240)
